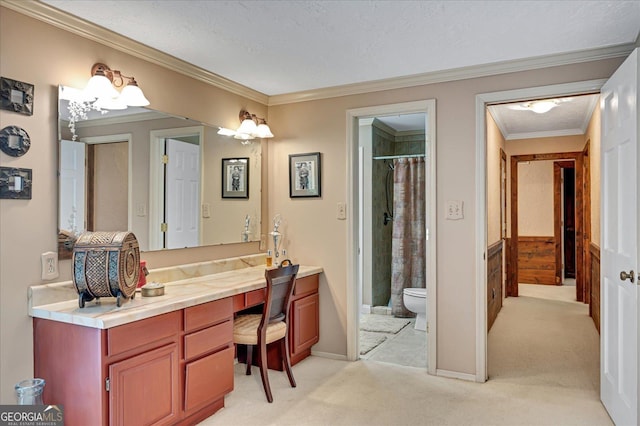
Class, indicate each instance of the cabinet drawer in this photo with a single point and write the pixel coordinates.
(208, 314)
(140, 333)
(203, 341)
(306, 285)
(238, 302)
(255, 297)
(246, 300)
(208, 379)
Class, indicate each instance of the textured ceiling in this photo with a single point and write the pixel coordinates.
(282, 47)
(278, 47)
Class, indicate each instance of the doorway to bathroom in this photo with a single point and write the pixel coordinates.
(394, 185)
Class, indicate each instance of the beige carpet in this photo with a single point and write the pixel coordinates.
(539, 341)
(565, 293)
(542, 362)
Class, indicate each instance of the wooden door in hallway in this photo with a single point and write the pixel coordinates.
(569, 218)
(545, 253)
(564, 218)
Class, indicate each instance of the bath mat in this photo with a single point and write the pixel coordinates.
(369, 340)
(383, 323)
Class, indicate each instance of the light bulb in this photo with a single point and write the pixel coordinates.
(541, 107)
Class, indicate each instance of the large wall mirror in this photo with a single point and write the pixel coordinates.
(156, 175)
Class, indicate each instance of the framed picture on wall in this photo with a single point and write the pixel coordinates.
(16, 96)
(235, 177)
(304, 175)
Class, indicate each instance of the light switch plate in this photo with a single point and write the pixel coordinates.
(454, 210)
(141, 210)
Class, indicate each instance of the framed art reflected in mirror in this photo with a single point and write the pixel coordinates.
(235, 178)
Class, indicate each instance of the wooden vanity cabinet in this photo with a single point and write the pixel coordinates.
(305, 318)
(121, 376)
(173, 368)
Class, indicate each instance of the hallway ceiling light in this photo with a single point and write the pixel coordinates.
(539, 107)
(101, 88)
(251, 127)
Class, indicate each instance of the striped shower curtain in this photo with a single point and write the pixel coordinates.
(408, 241)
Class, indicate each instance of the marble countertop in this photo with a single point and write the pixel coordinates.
(179, 294)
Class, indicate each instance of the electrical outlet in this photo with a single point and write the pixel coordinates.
(49, 265)
(206, 210)
(341, 211)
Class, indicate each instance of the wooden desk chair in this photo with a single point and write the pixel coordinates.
(271, 326)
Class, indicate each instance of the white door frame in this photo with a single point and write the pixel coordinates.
(482, 100)
(353, 222)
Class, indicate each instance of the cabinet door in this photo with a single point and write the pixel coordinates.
(208, 379)
(144, 389)
(305, 323)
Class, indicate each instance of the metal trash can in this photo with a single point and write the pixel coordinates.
(29, 392)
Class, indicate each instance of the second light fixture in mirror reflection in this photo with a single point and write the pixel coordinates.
(156, 175)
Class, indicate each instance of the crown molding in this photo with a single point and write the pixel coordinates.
(50, 15)
(545, 134)
(456, 74)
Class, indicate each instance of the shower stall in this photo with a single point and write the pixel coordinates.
(397, 217)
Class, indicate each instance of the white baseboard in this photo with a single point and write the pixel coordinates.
(366, 309)
(456, 375)
(329, 355)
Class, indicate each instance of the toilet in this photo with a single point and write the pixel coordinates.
(415, 300)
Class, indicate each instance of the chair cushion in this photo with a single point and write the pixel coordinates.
(245, 330)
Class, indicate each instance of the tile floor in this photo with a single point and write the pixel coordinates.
(408, 347)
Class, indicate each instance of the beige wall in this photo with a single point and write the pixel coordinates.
(495, 142)
(535, 199)
(46, 56)
(111, 186)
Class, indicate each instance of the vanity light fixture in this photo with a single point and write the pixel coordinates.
(251, 127)
(101, 88)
